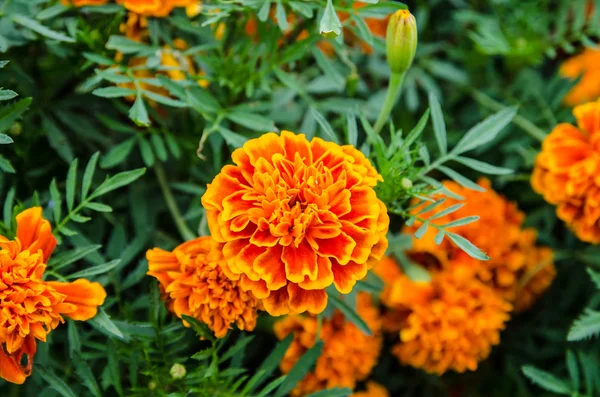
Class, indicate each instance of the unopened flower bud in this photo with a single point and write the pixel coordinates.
(401, 41)
(406, 183)
(177, 371)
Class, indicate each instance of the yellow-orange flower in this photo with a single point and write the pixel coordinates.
(586, 65)
(449, 323)
(155, 8)
(499, 232)
(81, 3)
(295, 217)
(373, 390)
(196, 282)
(566, 172)
(30, 308)
(348, 355)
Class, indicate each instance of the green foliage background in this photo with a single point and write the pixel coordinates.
(475, 59)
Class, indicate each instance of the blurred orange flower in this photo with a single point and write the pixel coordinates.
(449, 323)
(586, 65)
(499, 232)
(373, 390)
(155, 8)
(30, 308)
(295, 217)
(81, 3)
(196, 282)
(348, 355)
(566, 172)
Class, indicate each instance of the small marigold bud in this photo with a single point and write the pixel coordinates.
(152, 385)
(401, 41)
(406, 183)
(177, 371)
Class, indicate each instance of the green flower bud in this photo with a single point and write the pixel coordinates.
(401, 41)
(178, 371)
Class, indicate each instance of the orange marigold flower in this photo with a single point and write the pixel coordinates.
(196, 282)
(586, 65)
(499, 232)
(566, 172)
(30, 308)
(450, 323)
(295, 217)
(373, 390)
(348, 355)
(81, 3)
(155, 8)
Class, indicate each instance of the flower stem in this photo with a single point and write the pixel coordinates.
(182, 227)
(393, 90)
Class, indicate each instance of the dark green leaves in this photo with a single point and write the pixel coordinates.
(302, 367)
(439, 126)
(546, 380)
(350, 314)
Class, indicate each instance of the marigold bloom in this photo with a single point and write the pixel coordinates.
(30, 308)
(81, 3)
(566, 172)
(195, 282)
(586, 65)
(348, 355)
(373, 390)
(155, 8)
(295, 217)
(499, 232)
(450, 323)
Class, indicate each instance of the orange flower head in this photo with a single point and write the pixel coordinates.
(499, 232)
(81, 3)
(155, 8)
(566, 172)
(295, 217)
(195, 282)
(348, 355)
(373, 390)
(450, 323)
(30, 308)
(586, 65)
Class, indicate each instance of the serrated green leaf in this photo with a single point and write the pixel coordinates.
(113, 92)
(270, 363)
(95, 270)
(6, 95)
(74, 339)
(485, 131)
(104, 324)
(460, 179)
(117, 181)
(439, 126)
(37, 27)
(6, 166)
(86, 376)
(55, 382)
(467, 246)
(330, 25)
(573, 368)
(165, 100)
(586, 326)
(88, 175)
(138, 113)
(546, 380)
(325, 126)
(56, 201)
(253, 121)
(232, 138)
(239, 345)
(11, 113)
(5, 139)
(483, 167)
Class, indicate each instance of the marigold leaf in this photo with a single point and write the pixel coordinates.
(74, 338)
(461, 222)
(6, 95)
(263, 13)
(302, 367)
(128, 46)
(467, 246)
(8, 207)
(269, 364)
(573, 368)
(138, 112)
(253, 121)
(461, 180)
(55, 382)
(86, 375)
(146, 152)
(232, 138)
(485, 131)
(334, 392)
(71, 184)
(325, 126)
(350, 314)
(165, 100)
(238, 346)
(271, 386)
(439, 126)
(546, 380)
(422, 230)
(56, 202)
(117, 181)
(61, 260)
(37, 27)
(447, 211)
(330, 25)
(104, 324)
(5, 139)
(88, 175)
(95, 270)
(586, 326)
(595, 276)
(113, 92)
(117, 154)
(6, 166)
(11, 113)
(483, 167)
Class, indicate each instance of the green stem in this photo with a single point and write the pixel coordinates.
(392, 95)
(520, 121)
(182, 227)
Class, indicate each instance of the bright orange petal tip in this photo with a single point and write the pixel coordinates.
(586, 67)
(348, 355)
(81, 3)
(295, 216)
(155, 8)
(195, 282)
(34, 232)
(82, 298)
(566, 172)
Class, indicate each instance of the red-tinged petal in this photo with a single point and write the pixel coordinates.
(34, 232)
(277, 304)
(263, 238)
(233, 205)
(259, 288)
(11, 368)
(85, 295)
(362, 202)
(245, 259)
(224, 184)
(339, 202)
(324, 276)
(301, 300)
(268, 144)
(299, 262)
(339, 247)
(344, 277)
(270, 268)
